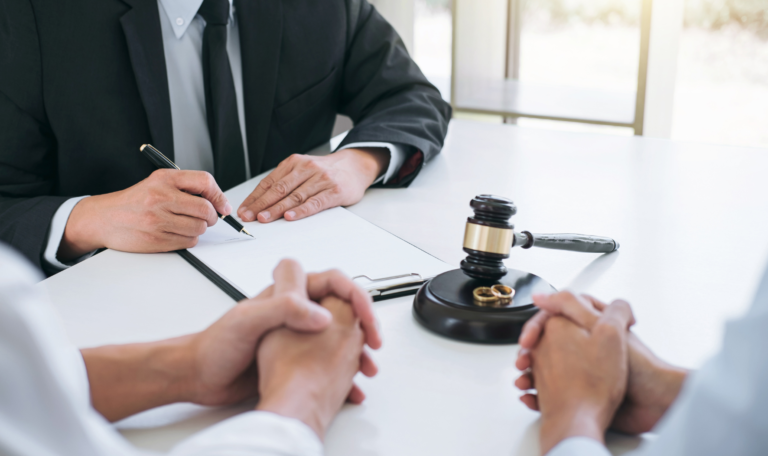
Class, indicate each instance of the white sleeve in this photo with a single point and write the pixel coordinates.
(253, 434)
(45, 406)
(397, 156)
(56, 233)
(723, 408)
(579, 446)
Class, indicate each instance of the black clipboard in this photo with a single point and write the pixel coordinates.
(405, 288)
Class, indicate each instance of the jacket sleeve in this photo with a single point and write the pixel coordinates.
(27, 144)
(386, 95)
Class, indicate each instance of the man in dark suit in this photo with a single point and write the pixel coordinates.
(225, 89)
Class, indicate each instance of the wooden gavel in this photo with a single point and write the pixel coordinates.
(489, 237)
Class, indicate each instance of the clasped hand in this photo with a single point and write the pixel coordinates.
(298, 356)
(589, 371)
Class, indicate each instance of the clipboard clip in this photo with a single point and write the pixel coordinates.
(391, 287)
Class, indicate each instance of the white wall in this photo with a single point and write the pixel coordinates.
(399, 13)
(666, 27)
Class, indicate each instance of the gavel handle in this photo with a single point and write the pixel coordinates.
(566, 241)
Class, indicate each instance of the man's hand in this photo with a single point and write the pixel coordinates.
(303, 185)
(159, 214)
(217, 366)
(580, 376)
(652, 384)
(308, 376)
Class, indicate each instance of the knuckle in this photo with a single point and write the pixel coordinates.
(208, 180)
(201, 227)
(297, 198)
(324, 175)
(314, 204)
(153, 198)
(150, 219)
(266, 183)
(293, 158)
(336, 189)
(161, 174)
(191, 242)
(280, 188)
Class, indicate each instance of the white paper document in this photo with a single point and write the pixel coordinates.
(333, 239)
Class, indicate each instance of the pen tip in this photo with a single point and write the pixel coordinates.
(246, 232)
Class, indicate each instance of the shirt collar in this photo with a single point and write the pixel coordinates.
(181, 13)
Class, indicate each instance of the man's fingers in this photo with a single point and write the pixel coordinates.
(523, 361)
(618, 315)
(356, 395)
(335, 283)
(194, 206)
(203, 184)
(290, 278)
(280, 196)
(245, 212)
(533, 328)
(297, 197)
(525, 381)
(531, 401)
(314, 204)
(367, 366)
(288, 309)
(185, 226)
(599, 305)
(572, 307)
(168, 242)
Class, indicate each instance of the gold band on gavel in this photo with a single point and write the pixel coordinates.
(488, 239)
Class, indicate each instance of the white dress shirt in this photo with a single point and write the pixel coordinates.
(722, 409)
(182, 31)
(45, 407)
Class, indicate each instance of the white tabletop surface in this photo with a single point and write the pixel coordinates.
(691, 220)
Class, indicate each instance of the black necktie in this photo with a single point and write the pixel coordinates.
(220, 99)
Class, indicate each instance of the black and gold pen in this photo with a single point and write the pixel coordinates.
(161, 161)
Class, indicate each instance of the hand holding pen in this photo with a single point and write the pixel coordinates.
(163, 162)
(159, 214)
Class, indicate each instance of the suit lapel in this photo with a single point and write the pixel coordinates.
(260, 24)
(144, 36)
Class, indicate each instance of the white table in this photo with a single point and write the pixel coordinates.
(691, 220)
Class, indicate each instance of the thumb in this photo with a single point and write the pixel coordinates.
(301, 314)
(255, 317)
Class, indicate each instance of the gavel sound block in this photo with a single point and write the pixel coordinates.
(447, 305)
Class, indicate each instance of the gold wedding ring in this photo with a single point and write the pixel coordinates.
(497, 295)
(504, 293)
(484, 296)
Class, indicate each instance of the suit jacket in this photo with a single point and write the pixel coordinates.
(83, 84)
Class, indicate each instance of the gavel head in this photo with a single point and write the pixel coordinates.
(488, 237)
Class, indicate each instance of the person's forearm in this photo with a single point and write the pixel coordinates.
(128, 379)
(372, 162)
(579, 422)
(285, 402)
(664, 385)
